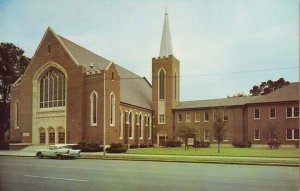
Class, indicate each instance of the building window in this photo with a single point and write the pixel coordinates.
(197, 117)
(206, 135)
(256, 134)
(206, 117)
(179, 117)
(17, 115)
(175, 86)
(131, 125)
(49, 48)
(52, 89)
(112, 109)
(161, 119)
(149, 127)
(292, 112)
(94, 108)
(256, 114)
(61, 135)
(292, 134)
(51, 136)
(112, 76)
(122, 116)
(42, 136)
(188, 118)
(162, 84)
(225, 135)
(272, 113)
(225, 118)
(141, 126)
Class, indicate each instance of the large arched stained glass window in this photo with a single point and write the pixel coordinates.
(162, 79)
(52, 89)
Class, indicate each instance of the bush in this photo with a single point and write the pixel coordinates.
(89, 147)
(133, 146)
(201, 144)
(241, 144)
(4, 145)
(297, 145)
(117, 148)
(146, 146)
(275, 144)
(173, 143)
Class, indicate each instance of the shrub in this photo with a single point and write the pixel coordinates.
(133, 146)
(4, 145)
(117, 148)
(173, 143)
(297, 145)
(241, 144)
(275, 144)
(89, 147)
(146, 146)
(201, 144)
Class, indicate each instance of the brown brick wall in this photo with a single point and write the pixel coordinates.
(169, 64)
(281, 121)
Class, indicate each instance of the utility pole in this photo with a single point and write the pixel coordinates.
(104, 117)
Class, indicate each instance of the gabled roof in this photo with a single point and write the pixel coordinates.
(134, 90)
(223, 102)
(290, 92)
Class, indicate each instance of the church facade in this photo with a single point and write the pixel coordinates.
(69, 94)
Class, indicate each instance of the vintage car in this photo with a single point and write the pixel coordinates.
(58, 151)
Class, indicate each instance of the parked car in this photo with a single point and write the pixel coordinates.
(58, 151)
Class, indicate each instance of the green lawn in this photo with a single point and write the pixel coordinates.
(226, 151)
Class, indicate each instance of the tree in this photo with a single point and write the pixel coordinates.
(13, 63)
(268, 87)
(240, 94)
(271, 135)
(185, 129)
(219, 125)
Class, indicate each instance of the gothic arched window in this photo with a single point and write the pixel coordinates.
(52, 89)
(94, 107)
(162, 79)
(112, 109)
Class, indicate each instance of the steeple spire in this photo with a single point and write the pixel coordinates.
(166, 44)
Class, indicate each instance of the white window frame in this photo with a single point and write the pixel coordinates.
(141, 126)
(132, 124)
(197, 117)
(188, 117)
(164, 82)
(224, 118)
(112, 109)
(206, 120)
(121, 124)
(161, 116)
(270, 117)
(258, 135)
(179, 119)
(255, 118)
(205, 135)
(92, 123)
(226, 135)
(17, 114)
(293, 134)
(293, 112)
(149, 126)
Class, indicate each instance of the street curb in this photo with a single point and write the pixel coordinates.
(136, 158)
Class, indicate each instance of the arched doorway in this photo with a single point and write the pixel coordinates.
(161, 138)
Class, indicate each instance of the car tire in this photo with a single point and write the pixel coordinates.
(40, 155)
(59, 157)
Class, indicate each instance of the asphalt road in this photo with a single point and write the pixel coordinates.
(20, 173)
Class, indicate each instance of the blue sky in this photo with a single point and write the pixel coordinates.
(213, 39)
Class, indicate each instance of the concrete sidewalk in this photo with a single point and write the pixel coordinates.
(31, 152)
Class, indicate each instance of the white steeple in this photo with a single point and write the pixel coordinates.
(166, 44)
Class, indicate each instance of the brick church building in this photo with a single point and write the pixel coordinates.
(69, 94)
